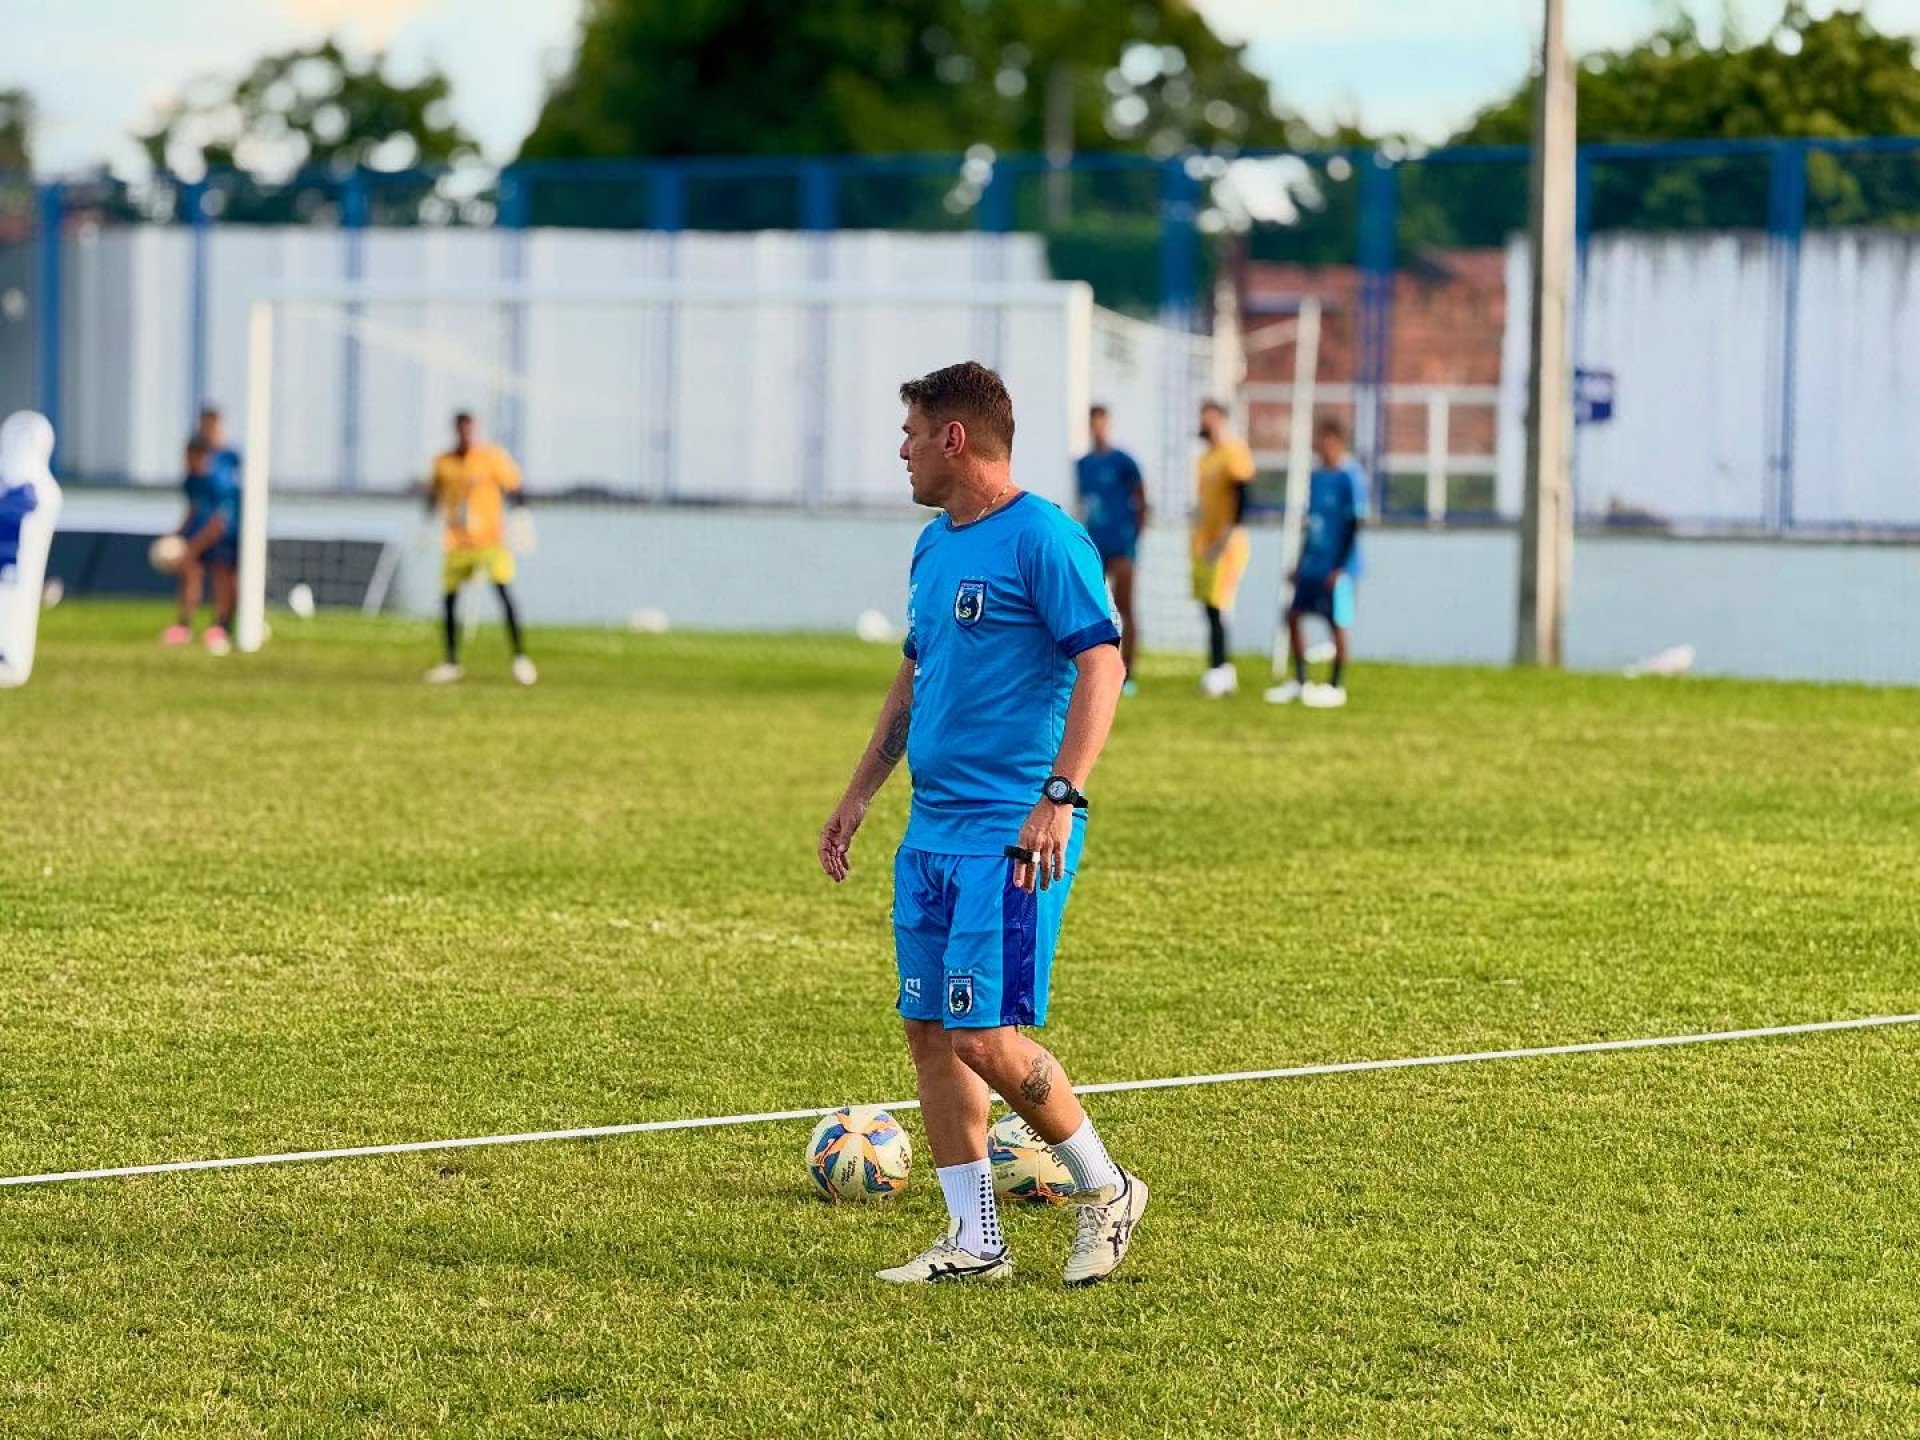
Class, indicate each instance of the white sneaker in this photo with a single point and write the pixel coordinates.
(523, 670)
(944, 1262)
(445, 673)
(1323, 697)
(1220, 681)
(1105, 1231)
(1284, 694)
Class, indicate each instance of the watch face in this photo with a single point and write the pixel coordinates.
(1058, 790)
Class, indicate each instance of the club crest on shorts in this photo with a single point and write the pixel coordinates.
(959, 995)
(970, 602)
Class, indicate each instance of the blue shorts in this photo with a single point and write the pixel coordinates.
(1332, 603)
(974, 950)
(226, 553)
(1116, 547)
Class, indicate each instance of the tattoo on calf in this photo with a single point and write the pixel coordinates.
(893, 744)
(1039, 1082)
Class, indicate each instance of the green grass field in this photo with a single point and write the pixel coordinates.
(301, 901)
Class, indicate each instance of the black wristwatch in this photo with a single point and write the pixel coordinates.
(1060, 791)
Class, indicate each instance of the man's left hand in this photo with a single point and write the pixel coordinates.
(1045, 835)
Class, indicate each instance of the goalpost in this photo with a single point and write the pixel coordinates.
(620, 394)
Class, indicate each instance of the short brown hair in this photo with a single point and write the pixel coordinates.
(1330, 426)
(972, 394)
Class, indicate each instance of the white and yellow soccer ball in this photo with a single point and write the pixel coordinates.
(167, 554)
(1025, 1169)
(859, 1153)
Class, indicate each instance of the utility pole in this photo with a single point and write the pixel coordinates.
(1546, 521)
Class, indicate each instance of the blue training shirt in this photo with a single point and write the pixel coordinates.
(996, 612)
(1336, 504)
(216, 493)
(1107, 480)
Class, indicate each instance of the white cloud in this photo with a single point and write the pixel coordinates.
(371, 22)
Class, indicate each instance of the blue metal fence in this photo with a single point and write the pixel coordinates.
(1137, 227)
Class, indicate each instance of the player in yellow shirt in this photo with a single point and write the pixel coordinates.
(473, 484)
(1219, 538)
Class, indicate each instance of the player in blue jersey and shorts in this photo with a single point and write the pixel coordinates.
(1329, 564)
(212, 534)
(1000, 707)
(1113, 506)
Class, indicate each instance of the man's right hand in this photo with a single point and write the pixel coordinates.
(836, 838)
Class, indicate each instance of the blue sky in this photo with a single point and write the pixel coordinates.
(99, 67)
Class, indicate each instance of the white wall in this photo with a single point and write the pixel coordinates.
(716, 402)
(1692, 327)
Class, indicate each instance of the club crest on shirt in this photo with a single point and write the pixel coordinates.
(970, 602)
(959, 995)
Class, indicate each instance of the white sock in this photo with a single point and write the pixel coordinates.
(1087, 1160)
(976, 1218)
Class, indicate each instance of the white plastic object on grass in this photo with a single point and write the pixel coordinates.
(874, 628)
(648, 622)
(300, 600)
(29, 512)
(1674, 660)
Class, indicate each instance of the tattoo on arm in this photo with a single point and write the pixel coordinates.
(1039, 1082)
(893, 744)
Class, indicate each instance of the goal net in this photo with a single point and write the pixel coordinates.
(697, 454)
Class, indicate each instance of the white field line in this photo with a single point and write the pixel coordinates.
(1113, 1087)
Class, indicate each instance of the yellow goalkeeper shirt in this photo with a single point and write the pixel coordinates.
(471, 491)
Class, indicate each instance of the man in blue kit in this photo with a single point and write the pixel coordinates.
(1113, 505)
(1000, 707)
(1329, 564)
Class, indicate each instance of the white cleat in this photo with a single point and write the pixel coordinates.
(445, 673)
(523, 670)
(1284, 694)
(1219, 682)
(1106, 1230)
(1323, 697)
(945, 1263)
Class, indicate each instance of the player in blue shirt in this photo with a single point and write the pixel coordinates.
(1000, 707)
(212, 532)
(1329, 564)
(1113, 505)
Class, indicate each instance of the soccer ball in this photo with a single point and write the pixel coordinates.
(167, 554)
(859, 1154)
(1024, 1166)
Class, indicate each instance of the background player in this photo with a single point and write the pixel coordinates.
(473, 483)
(1113, 506)
(1329, 564)
(1219, 539)
(1001, 707)
(211, 429)
(212, 533)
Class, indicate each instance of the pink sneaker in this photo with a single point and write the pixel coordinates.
(217, 641)
(177, 635)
